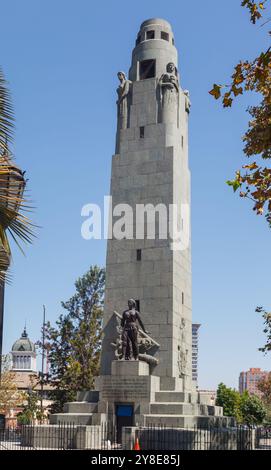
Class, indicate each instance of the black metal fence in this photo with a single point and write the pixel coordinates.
(263, 438)
(105, 437)
(64, 436)
(204, 438)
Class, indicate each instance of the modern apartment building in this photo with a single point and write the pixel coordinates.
(249, 380)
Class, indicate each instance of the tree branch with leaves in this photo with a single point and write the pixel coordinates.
(254, 179)
(74, 344)
(267, 329)
(10, 397)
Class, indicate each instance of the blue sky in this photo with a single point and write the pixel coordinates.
(61, 60)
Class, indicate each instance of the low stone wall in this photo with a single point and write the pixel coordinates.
(150, 438)
(62, 437)
(188, 439)
(48, 437)
(88, 437)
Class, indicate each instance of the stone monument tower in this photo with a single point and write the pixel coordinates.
(151, 261)
(151, 167)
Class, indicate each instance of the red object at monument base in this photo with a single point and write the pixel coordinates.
(136, 446)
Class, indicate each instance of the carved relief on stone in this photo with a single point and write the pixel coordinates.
(187, 101)
(169, 94)
(182, 351)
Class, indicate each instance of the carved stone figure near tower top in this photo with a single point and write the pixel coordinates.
(169, 92)
(123, 103)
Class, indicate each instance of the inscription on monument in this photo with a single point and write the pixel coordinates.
(115, 388)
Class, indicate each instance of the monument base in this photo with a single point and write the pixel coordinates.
(131, 396)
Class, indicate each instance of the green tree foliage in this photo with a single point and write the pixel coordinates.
(74, 344)
(245, 408)
(267, 329)
(230, 400)
(10, 396)
(254, 75)
(252, 409)
(59, 397)
(31, 409)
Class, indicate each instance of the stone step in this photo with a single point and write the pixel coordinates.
(80, 407)
(172, 408)
(88, 395)
(210, 410)
(188, 421)
(71, 418)
(169, 420)
(177, 408)
(176, 397)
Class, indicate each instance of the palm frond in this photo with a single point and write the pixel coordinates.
(4, 265)
(13, 205)
(13, 222)
(6, 115)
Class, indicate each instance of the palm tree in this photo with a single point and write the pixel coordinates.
(13, 222)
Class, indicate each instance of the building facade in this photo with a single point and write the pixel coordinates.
(26, 378)
(23, 354)
(249, 380)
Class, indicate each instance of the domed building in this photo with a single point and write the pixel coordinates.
(24, 354)
(26, 377)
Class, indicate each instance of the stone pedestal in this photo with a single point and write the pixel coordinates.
(130, 383)
(129, 368)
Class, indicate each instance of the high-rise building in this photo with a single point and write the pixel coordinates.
(249, 380)
(195, 352)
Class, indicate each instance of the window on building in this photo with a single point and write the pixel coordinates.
(141, 132)
(138, 255)
(137, 305)
(182, 298)
(182, 141)
(164, 36)
(147, 69)
(150, 34)
(173, 41)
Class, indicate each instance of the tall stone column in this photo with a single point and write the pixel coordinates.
(151, 167)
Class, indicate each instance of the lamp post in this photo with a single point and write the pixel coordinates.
(12, 185)
(42, 362)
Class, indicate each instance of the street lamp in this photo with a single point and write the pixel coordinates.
(12, 185)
